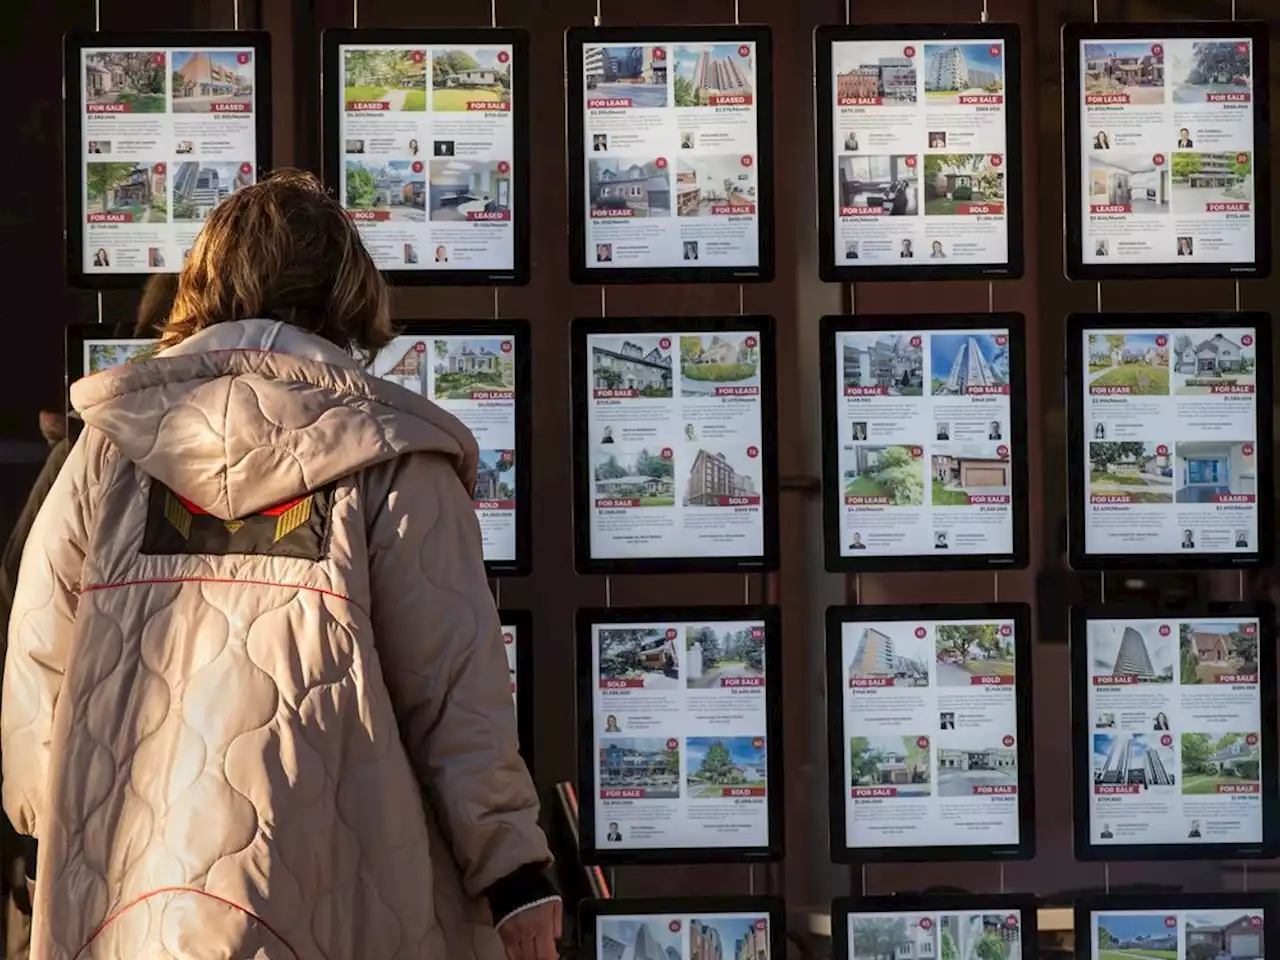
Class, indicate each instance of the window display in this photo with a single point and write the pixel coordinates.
(160, 127)
(680, 742)
(691, 928)
(929, 729)
(1166, 134)
(1182, 926)
(670, 154)
(919, 152)
(1173, 754)
(675, 441)
(478, 370)
(427, 147)
(517, 639)
(990, 927)
(1169, 433)
(924, 442)
(91, 349)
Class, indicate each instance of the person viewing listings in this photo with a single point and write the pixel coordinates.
(256, 595)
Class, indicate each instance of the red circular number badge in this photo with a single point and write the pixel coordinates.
(1164, 630)
(503, 56)
(1008, 740)
(908, 51)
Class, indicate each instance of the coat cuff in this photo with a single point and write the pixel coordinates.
(521, 889)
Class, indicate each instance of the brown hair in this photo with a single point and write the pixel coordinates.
(283, 249)
(156, 302)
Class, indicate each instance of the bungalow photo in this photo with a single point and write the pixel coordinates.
(721, 767)
(965, 363)
(640, 657)
(102, 355)
(131, 192)
(199, 186)
(637, 74)
(635, 938)
(1225, 358)
(465, 366)
(639, 479)
(1123, 936)
(966, 473)
(1204, 182)
(1209, 650)
(714, 73)
(957, 183)
(714, 184)
(889, 363)
(648, 768)
(723, 655)
(1143, 650)
(965, 652)
(629, 187)
(893, 937)
(1132, 182)
(1134, 759)
(1138, 362)
(1214, 763)
(463, 190)
(954, 73)
(1215, 472)
(126, 81)
(462, 78)
(1208, 71)
(729, 477)
(1133, 70)
(891, 476)
(212, 82)
(404, 361)
(980, 936)
(385, 80)
(496, 477)
(886, 182)
(871, 70)
(637, 363)
(902, 764)
(1222, 935)
(709, 361)
(977, 769)
(1135, 471)
(389, 190)
(890, 652)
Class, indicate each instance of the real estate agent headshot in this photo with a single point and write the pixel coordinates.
(994, 432)
(100, 258)
(611, 724)
(442, 255)
(1161, 722)
(857, 543)
(906, 253)
(1184, 139)
(937, 253)
(1101, 141)
(615, 835)
(1106, 832)
(413, 148)
(1188, 540)
(1184, 246)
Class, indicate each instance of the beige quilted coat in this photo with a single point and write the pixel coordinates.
(225, 756)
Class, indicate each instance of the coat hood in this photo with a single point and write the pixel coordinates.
(247, 415)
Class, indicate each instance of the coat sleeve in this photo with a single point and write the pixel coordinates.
(438, 638)
(40, 627)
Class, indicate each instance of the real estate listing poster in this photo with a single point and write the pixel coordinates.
(479, 372)
(517, 641)
(675, 436)
(1170, 439)
(160, 129)
(427, 147)
(924, 442)
(679, 748)
(919, 152)
(1238, 926)
(1172, 748)
(995, 927)
(1166, 150)
(670, 154)
(91, 349)
(930, 732)
(743, 928)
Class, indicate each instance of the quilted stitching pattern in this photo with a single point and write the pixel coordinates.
(227, 756)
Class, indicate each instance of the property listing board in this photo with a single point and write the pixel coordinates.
(1180, 934)
(1170, 433)
(511, 641)
(674, 442)
(684, 936)
(472, 377)
(972, 932)
(680, 728)
(1167, 151)
(427, 152)
(167, 133)
(670, 151)
(930, 733)
(98, 354)
(1174, 726)
(922, 420)
(921, 153)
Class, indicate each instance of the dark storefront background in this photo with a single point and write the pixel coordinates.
(37, 304)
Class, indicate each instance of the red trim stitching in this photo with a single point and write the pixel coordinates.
(169, 890)
(252, 583)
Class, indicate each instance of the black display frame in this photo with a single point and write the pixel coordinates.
(838, 735)
(522, 620)
(1082, 731)
(1025, 903)
(1011, 36)
(588, 618)
(576, 38)
(1073, 34)
(73, 44)
(833, 325)
(1085, 907)
(520, 331)
(332, 152)
(766, 328)
(1076, 327)
(591, 911)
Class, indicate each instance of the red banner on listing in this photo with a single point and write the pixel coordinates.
(618, 502)
(1117, 788)
(370, 106)
(977, 209)
(866, 391)
(110, 217)
(1226, 208)
(1110, 390)
(1231, 388)
(1110, 208)
(859, 101)
(1118, 680)
(493, 105)
(607, 683)
(1004, 790)
(859, 792)
(860, 501)
(749, 501)
(617, 212)
(230, 108)
(728, 209)
(1238, 788)
(493, 504)
(742, 681)
(742, 792)
(732, 100)
(488, 214)
(606, 393)
(977, 498)
(863, 212)
(108, 108)
(1110, 498)
(973, 98)
(1100, 99)
(861, 682)
(737, 391)
(1228, 97)
(1234, 498)
(631, 793)
(992, 681)
(608, 103)
(1236, 678)
(493, 394)
(369, 216)
(987, 391)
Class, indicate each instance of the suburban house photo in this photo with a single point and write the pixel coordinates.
(902, 763)
(640, 479)
(1211, 761)
(1202, 363)
(199, 186)
(391, 188)
(955, 182)
(1131, 934)
(460, 78)
(709, 361)
(893, 937)
(1129, 180)
(464, 190)
(717, 481)
(636, 363)
(1198, 68)
(638, 74)
(1134, 69)
(1139, 472)
(133, 80)
(1208, 471)
(134, 190)
(1203, 178)
(716, 764)
(964, 470)
(886, 181)
(639, 187)
(1137, 362)
(1223, 935)
(643, 656)
(964, 651)
(888, 361)
(394, 79)
(961, 770)
(204, 81)
(1209, 650)
(715, 653)
(465, 366)
(883, 475)
(647, 765)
